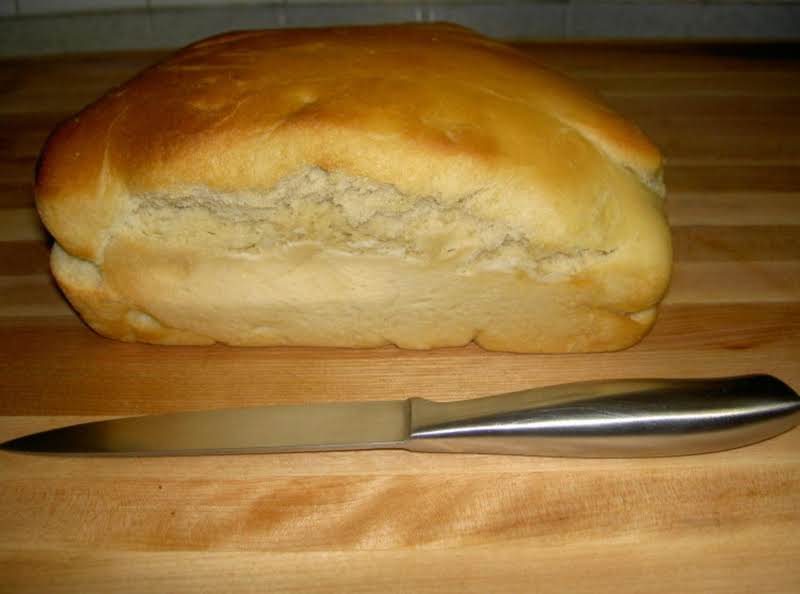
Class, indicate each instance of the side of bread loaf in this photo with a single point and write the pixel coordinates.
(416, 185)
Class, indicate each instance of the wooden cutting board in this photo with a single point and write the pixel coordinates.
(728, 120)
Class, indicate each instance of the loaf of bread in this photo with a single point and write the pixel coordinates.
(415, 185)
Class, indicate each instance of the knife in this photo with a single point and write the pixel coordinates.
(619, 418)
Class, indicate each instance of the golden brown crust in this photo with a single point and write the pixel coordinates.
(244, 109)
(436, 112)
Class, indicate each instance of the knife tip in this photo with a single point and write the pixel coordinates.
(27, 444)
(12, 445)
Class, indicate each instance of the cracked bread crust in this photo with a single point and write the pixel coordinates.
(417, 185)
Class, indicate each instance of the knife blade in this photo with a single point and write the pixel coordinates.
(607, 418)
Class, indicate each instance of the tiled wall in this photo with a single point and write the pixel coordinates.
(48, 26)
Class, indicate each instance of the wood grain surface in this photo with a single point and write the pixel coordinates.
(727, 117)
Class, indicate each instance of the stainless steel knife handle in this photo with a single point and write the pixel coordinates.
(623, 418)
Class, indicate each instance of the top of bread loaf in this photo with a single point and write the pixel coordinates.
(434, 111)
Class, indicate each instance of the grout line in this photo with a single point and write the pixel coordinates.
(283, 13)
(568, 8)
